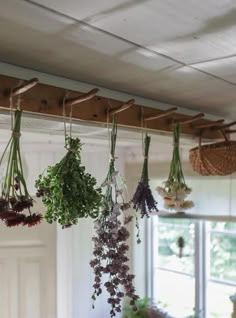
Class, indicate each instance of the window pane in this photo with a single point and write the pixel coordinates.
(218, 303)
(171, 270)
(175, 293)
(222, 272)
(169, 232)
(221, 226)
(223, 256)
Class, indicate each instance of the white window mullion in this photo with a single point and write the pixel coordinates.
(206, 263)
(150, 238)
(200, 282)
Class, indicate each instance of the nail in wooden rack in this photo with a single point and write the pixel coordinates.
(47, 100)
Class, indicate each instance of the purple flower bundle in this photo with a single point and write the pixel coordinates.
(143, 199)
(110, 262)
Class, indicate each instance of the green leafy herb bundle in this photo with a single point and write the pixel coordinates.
(175, 189)
(67, 190)
(15, 201)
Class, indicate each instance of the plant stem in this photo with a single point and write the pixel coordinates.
(176, 172)
(147, 141)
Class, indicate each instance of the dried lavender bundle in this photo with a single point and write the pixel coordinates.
(175, 189)
(143, 199)
(110, 240)
(15, 200)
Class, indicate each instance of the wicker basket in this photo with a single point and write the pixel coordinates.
(217, 159)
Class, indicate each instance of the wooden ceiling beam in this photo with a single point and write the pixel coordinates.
(46, 100)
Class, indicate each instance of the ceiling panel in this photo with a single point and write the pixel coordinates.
(224, 68)
(43, 40)
(74, 50)
(204, 29)
(192, 89)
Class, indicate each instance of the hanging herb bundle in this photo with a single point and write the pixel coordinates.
(143, 199)
(111, 234)
(67, 191)
(175, 189)
(15, 201)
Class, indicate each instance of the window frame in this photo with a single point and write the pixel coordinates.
(202, 232)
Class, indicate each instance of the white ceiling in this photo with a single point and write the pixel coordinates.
(174, 51)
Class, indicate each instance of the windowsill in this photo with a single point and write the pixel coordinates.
(184, 215)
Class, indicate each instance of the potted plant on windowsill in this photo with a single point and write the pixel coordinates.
(145, 309)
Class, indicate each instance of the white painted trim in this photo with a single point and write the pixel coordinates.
(49, 79)
(200, 282)
(183, 215)
(22, 243)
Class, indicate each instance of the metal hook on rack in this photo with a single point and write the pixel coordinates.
(81, 98)
(121, 108)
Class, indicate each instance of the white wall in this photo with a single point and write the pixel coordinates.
(28, 255)
(74, 245)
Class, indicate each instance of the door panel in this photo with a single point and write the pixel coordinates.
(28, 271)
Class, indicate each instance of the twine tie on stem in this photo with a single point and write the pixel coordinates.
(113, 158)
(16, 134)
(64, 113)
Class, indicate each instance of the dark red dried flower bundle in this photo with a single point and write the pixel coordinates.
(33, 219)
(15, 220)
(15, 198)
(110, 241)
(143, 199)
(7, 215)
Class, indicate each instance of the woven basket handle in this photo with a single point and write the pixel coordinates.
(226, 138)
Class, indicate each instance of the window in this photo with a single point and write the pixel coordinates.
(199, 283)
(221, 282)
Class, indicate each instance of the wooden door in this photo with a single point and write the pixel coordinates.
(28, 271)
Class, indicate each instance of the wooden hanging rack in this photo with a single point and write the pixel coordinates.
(47, 100)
